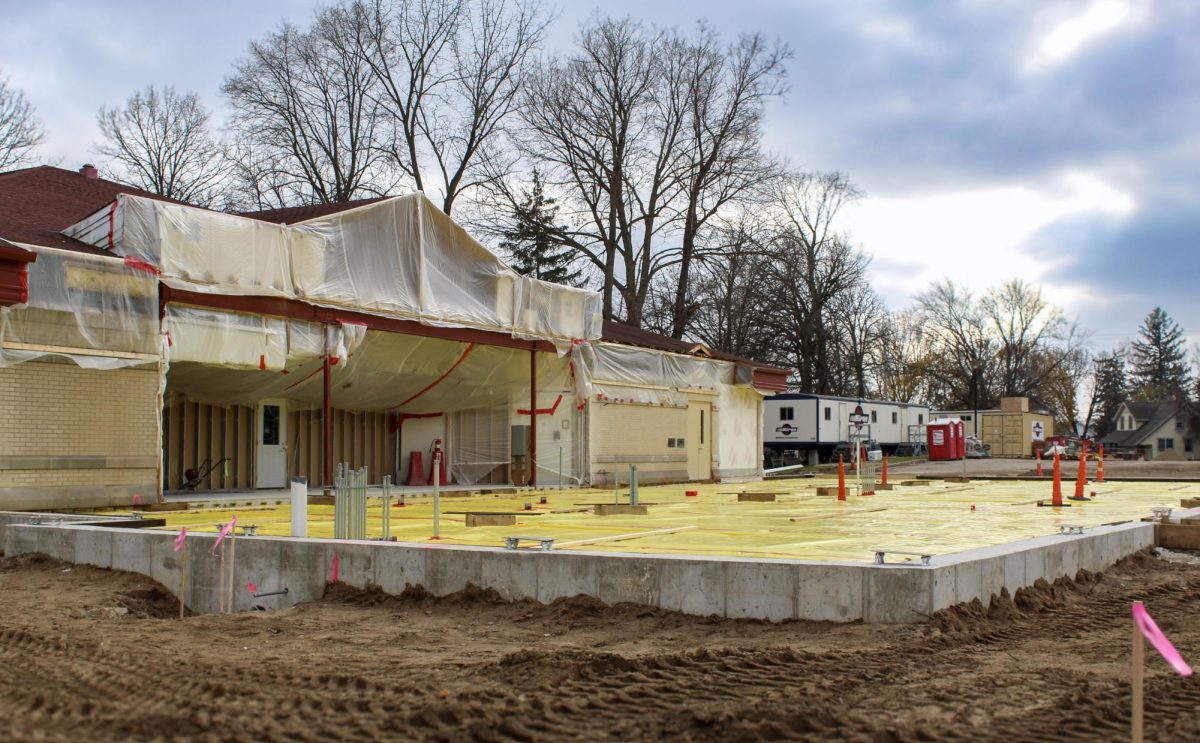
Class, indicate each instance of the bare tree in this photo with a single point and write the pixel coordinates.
(449, 73)
(20, 130)
(732, 294)
(1023, 323)
(721, 161)
(603, 124)
(1066, 369)
(814, 265)
(160, 142)
(860, 319)
(304, 104)
(963, 350)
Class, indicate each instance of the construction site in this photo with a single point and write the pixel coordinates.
(342, 472)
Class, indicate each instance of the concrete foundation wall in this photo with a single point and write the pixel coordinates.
(728, 587)
(76, 438)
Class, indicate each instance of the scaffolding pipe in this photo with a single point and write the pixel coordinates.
(633, 485)
(437, 495)
(387, 507)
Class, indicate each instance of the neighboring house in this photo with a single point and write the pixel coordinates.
(141, 338)
(1155, 429)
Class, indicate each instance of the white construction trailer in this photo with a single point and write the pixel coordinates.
(799, 427)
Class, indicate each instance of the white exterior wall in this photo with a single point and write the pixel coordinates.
(738, 450)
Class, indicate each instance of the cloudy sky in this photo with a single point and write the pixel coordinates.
(1058, 141)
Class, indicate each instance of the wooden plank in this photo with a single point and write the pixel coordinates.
(216, 431)
(189, 436)
(229, 449)
(1177, 536)
(243, 460)
(622, 537)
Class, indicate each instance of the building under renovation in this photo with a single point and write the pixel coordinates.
(150, 346)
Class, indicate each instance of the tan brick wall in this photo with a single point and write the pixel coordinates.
(620, 432)
(50, 410)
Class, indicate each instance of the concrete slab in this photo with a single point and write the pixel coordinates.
(630, 579)
(763, 590)
(131, 550)
(93, 546)
(563, 575)
(58, 543)
(897, 594)
(450, 569)
(302, 569)
(511, 573)
(943, 588)
(258, 562)
(829, 593)
(968, 580)
(20, 539)
(693, 586)
(398, 566)
(356, 562)
(165, 563)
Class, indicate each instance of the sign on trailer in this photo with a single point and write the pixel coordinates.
(858, 417)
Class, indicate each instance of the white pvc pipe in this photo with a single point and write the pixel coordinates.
(299, 508)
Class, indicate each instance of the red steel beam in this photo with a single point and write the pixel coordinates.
(297, 310)
(533, 412)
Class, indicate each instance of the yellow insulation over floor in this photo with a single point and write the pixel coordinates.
(935, 518)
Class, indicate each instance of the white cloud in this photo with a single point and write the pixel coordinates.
(980, 238)
(1068, 36)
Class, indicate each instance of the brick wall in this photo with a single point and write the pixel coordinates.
(73, 437)
(623, 433)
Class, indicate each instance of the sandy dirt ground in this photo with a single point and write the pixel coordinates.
(94, 655)
(997, 466)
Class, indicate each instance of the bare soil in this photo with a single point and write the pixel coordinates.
(94, 655)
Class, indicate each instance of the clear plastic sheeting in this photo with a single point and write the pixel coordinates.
(94, 310)
(400, 257)
(644, 371)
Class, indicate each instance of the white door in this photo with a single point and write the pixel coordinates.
(699, 441)
(272, 444)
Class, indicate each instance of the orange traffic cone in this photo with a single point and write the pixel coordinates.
(1100, 465)
(1039, 463)
(1081, 478)
(841, 478)
(883, 477)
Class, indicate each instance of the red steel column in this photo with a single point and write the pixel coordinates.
(533, 417)
(326, 414)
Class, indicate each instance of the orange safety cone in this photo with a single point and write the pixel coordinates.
(1100, 465)
(883, 477)
(841, 478)
(1039, 463)
(1081, 478)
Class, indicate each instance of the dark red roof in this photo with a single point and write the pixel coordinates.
(37, 203)
(619, 332)
(294, 214)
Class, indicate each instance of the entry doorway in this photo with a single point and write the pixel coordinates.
(272, 446)
(699, 440)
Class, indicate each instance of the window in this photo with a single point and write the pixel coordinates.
(1187, 445)
(787, 414)
(1179, 423)
(894, 418)
(828, 414)
(270, 425)
(1165, 444)
(920, 419)
(966, 417)
(874, 417)
(702, 427)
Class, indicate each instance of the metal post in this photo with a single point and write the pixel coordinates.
(533, 417)
(437, 495)
(387, 507)
(326, 415)
(560, 467)
(633, 485)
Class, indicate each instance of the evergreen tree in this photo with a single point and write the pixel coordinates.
(1111, 389)
(534, 242)
(1158, 359)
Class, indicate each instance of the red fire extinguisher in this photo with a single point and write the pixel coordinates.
(437, 458)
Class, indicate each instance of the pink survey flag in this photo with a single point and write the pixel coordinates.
(251, 587)
(180, 539)
(224, 533)
(1151, 632)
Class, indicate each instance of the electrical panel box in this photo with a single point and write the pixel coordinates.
(520, 440)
